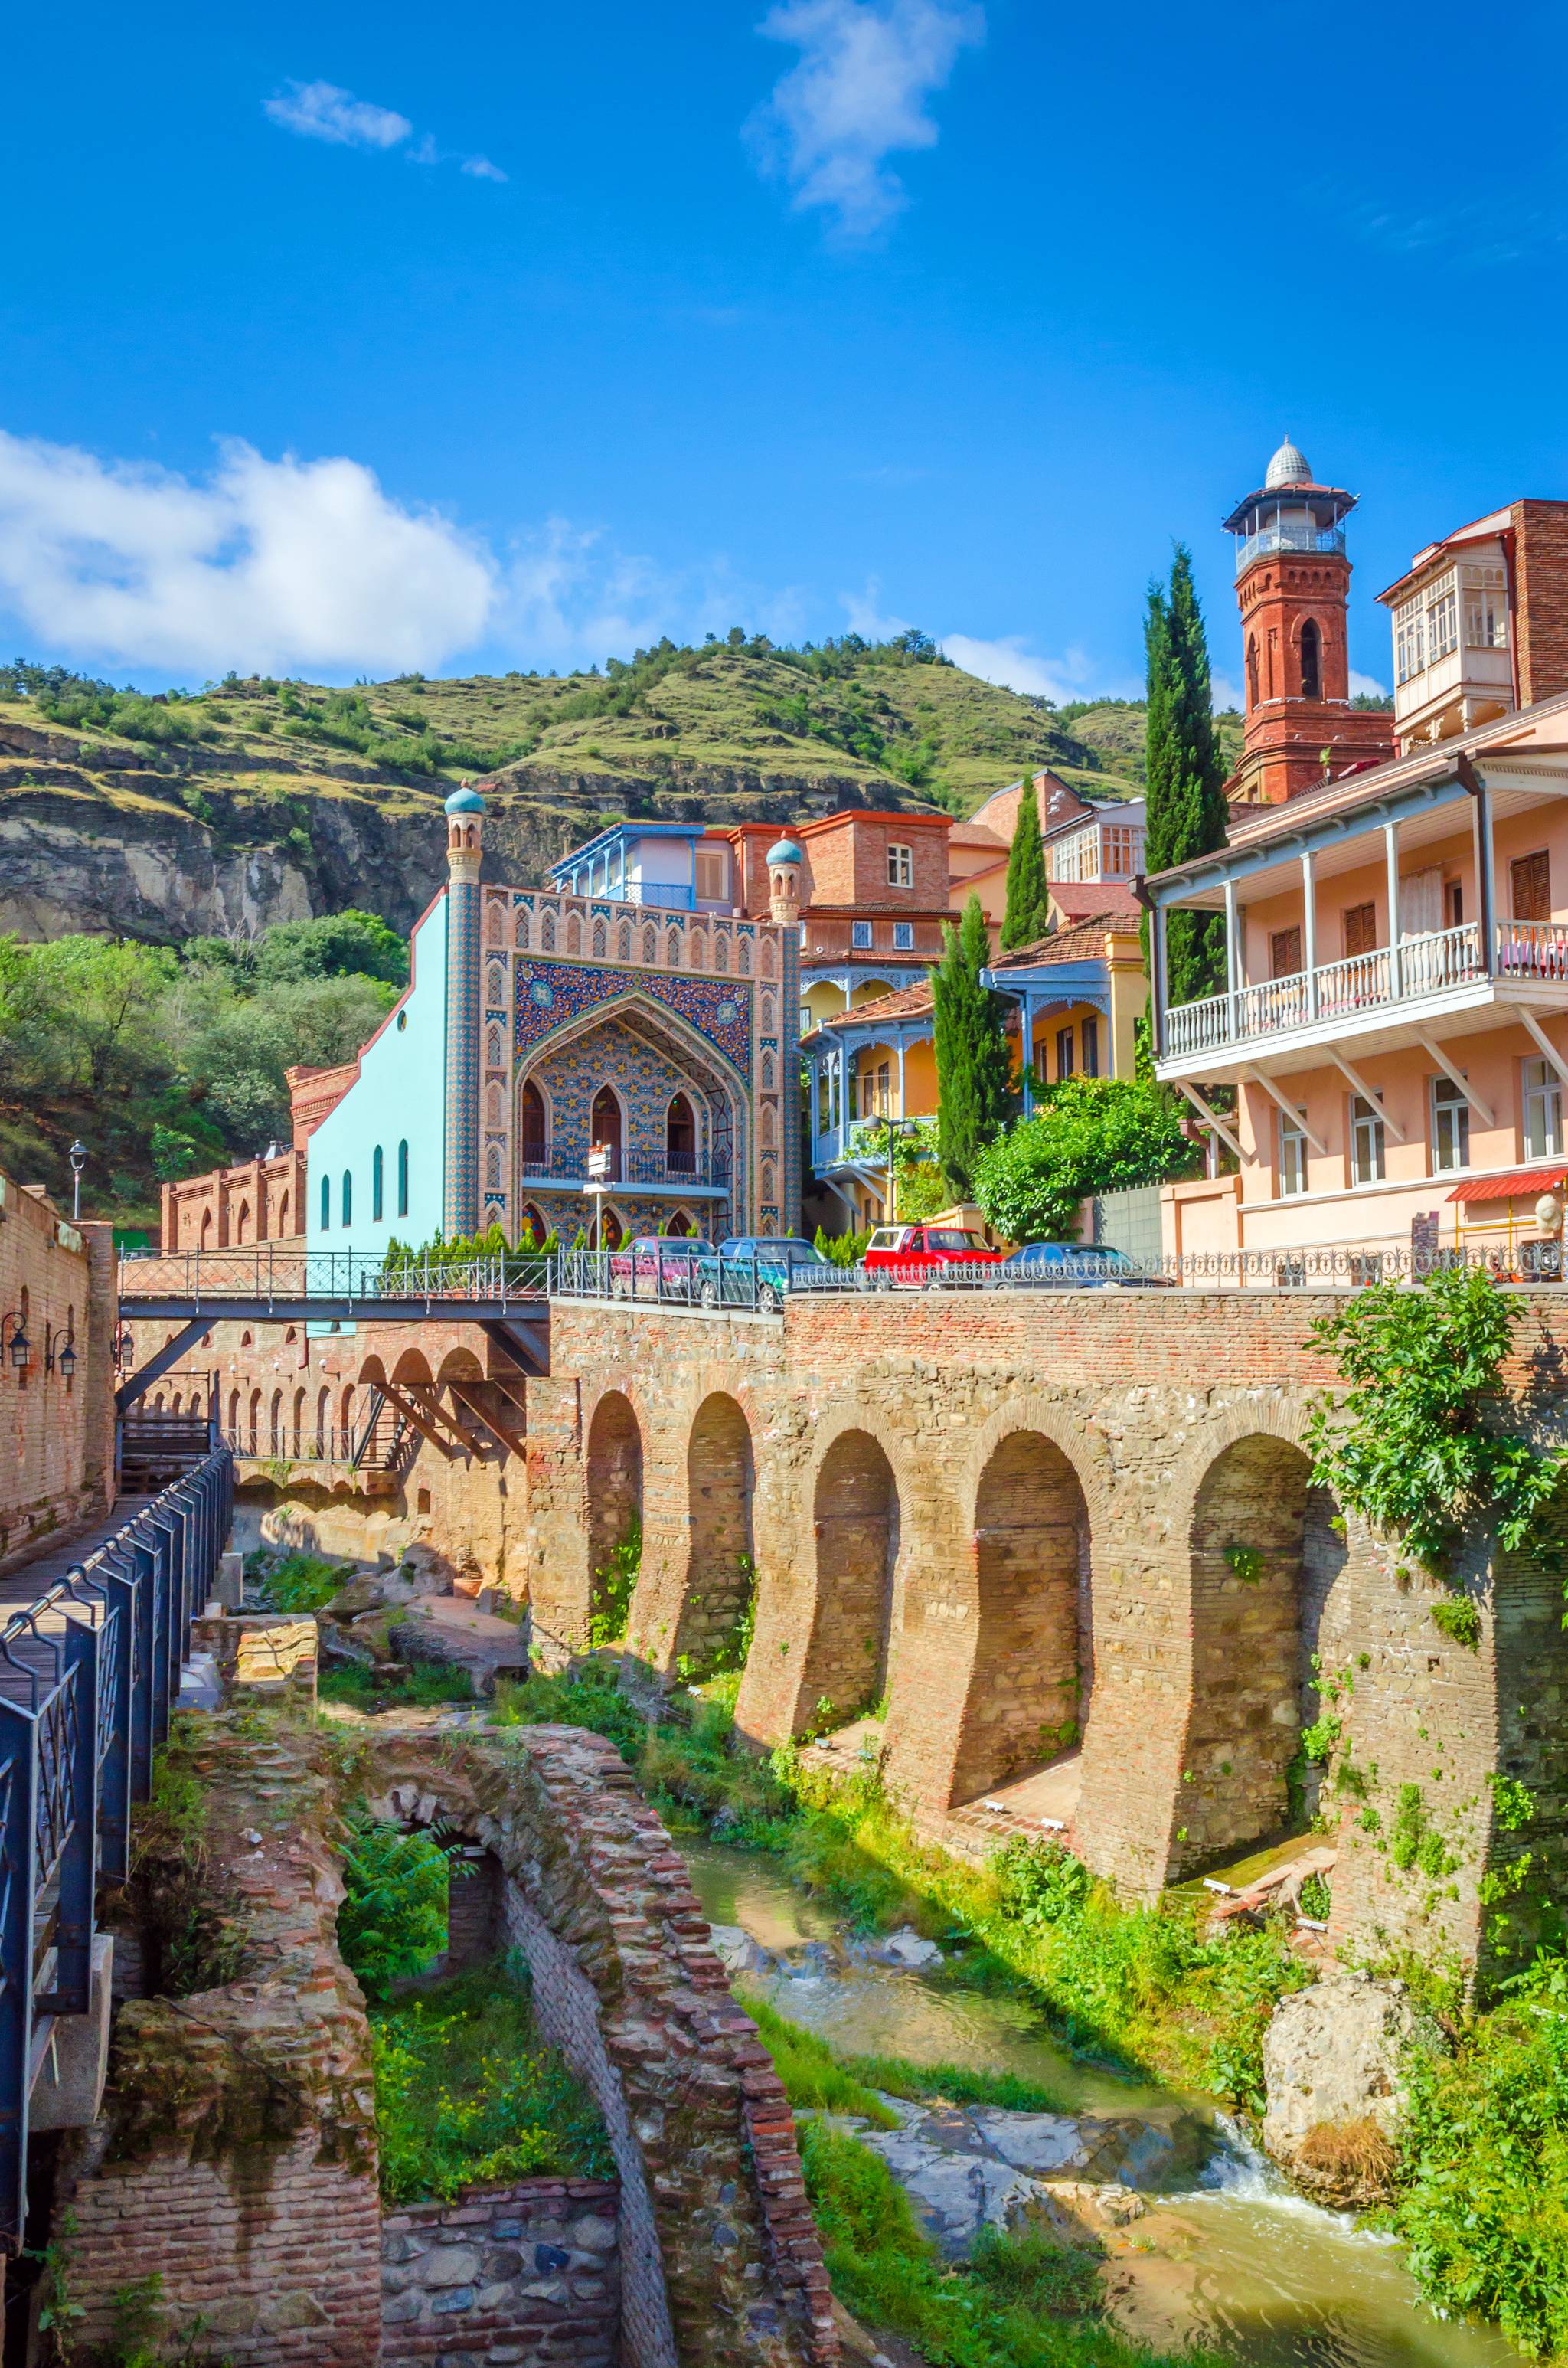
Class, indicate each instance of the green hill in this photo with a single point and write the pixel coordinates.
(258, 802)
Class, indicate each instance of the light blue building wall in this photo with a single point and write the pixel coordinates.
(396, 1107)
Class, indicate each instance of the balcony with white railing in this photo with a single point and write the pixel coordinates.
(1338, 993)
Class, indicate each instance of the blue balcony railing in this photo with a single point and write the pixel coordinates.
(641, 1171)
(87, 1675)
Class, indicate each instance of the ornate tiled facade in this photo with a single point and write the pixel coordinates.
(576, 995)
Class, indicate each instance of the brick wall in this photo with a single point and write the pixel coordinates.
(56, 1433)
(720, 2258)
(257, 1200)
(236, 2153)
(527, 2276)
(1540, 572)
(847, 861)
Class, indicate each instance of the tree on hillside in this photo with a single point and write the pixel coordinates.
(1185, 777)
(973, 1100)
(1027, 916)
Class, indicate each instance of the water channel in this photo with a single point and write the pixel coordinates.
(1230, 2257)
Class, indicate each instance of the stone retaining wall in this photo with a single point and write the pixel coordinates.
(525, 2276)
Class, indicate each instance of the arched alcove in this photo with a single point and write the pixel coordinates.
(720, 1476)
(1030, 1673)
(615, 1495)
(855, 1521)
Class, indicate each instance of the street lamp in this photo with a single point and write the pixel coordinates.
(21, 1348)
(77, 1155)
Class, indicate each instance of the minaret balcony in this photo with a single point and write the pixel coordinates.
(1287, 534)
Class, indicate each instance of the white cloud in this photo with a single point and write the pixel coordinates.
(1072, 675)
(1367, 685)
(860, 92)
(573, 597)
(319, 110)
(865, 615)
(271, 565)
(1224, 692)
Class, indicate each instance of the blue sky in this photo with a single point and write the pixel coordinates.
(342, 340)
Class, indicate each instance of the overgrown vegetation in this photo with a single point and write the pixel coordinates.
(167, 1062)
(298, 1582)
(1087, 1135)
(393, 1922)
(466, 2092)
(615, 1583)
(1414, 1446)
(395, 1685)
(1018, 2302)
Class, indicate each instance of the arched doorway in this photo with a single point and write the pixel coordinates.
(680, 1137)
(612, 1233)
(615, 1513)
(1264, 1557)
(603, 1127)
(719, 1578)
(535, 1141)
(856, 1525)
(1028, 1683)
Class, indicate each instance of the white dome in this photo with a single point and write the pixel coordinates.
(1288, 467)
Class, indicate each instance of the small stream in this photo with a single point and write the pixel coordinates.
(1236, 2258)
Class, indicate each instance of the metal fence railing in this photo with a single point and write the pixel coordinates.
(274, 1272)
(704, 1279)
(88, 1673)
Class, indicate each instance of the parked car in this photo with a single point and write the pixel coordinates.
(1076, 1266)
(756, 1270)
(923, 1257)
(655, 1265)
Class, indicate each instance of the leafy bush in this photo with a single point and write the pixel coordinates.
(615, 1583)
(1414, 1446)
(593, 1700)
(393, 1917)
(1087, 1135)
(466, 2093)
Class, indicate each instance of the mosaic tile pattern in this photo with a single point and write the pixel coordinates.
(549, 994)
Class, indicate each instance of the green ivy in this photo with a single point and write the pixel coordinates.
(393, 1917)
(1411, 1447)
(615, 1583)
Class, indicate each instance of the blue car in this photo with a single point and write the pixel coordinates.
(1075, 1266)
(755, 1270)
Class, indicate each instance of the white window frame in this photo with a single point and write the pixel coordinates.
(1485, 607)
(1369, 1143)
(1442, 618)
(1295, 1177)
(901, 866)
(715, 861)
(859, 936)
(1449, 1103)
(903, 937)
(1410, 640)
(1540, 1110)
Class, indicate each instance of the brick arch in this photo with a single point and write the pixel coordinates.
(859, 1512)
(1085, 1449)
(720, 1481)
(613, 1454)
(1031, 1662)
(1262, 1557)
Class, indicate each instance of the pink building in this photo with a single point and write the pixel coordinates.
(1394, 1025)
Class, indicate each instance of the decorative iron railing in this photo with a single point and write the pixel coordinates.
(1417, 966)
(87, 1675)
(274, 1272)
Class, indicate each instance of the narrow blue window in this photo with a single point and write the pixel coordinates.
(347, 1197)
(326, 1204)
(402, 1179)
(376, 1187)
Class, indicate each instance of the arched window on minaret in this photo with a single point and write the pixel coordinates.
(1311, 661)
(1252, 671)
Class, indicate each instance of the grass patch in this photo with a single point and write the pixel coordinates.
(301, 1583)
(466, 2091)
(813, 2076)
(422, 1686)
(1020, 2303)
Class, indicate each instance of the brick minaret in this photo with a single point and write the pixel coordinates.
(1293, 589)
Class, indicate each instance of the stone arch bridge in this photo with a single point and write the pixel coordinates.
(1074, 1531)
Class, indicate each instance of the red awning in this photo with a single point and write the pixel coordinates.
(1509, 1188)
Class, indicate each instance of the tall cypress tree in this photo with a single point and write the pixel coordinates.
(1027, 916)
(973, 1064)
(1185, 777)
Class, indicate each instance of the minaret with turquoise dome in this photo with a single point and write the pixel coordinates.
(460, 1205)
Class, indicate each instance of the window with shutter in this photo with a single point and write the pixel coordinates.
(1361, 929)
(1284, 953)
(1530, 877)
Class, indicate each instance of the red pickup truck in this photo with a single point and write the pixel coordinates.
(923, 1257)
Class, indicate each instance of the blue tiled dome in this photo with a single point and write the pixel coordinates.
(465, 801)
(785, 850)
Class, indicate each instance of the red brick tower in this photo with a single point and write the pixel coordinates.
(1292, 587)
